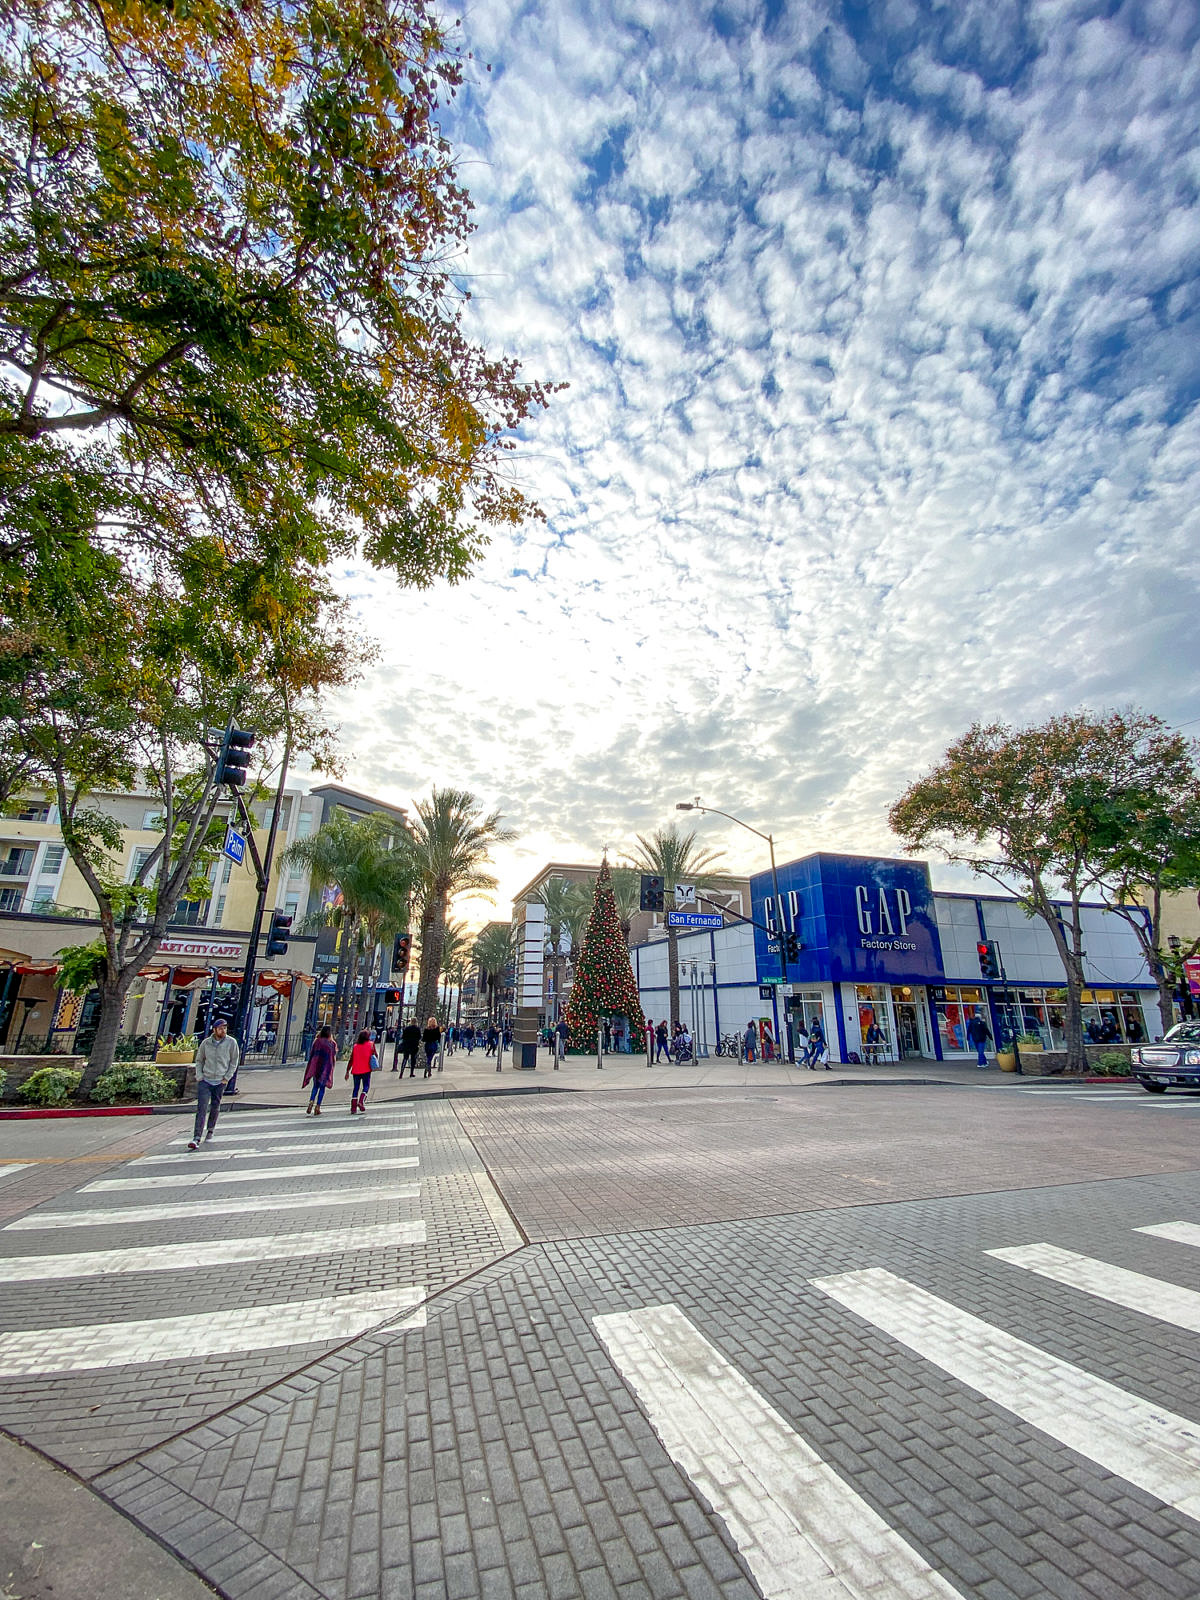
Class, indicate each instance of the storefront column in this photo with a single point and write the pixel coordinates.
(935, 1033)
(838, 1002)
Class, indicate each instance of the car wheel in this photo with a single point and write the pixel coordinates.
(1155, 1088)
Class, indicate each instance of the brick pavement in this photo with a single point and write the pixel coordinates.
(499, 1451)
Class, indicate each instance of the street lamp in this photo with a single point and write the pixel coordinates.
(694, 805)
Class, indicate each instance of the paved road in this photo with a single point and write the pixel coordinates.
(875, 1341)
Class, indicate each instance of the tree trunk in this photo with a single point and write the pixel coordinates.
(433, 939)
(112, 1010)
(1071, 956)
(1166, 996)
(339, 988)
(673, 972)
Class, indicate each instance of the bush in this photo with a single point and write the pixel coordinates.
(1113, 1063)
(3, 1079)
(50, 1086)
(143, 1084)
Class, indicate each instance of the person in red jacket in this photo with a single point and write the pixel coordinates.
(360, 1066)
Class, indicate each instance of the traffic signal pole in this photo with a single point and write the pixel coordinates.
(263, 869)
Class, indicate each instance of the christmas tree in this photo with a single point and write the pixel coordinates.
(604, 983)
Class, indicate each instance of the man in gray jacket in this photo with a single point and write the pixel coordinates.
(216, 1062)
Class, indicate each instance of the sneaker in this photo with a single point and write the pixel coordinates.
(208, 1138)
(192, 1145)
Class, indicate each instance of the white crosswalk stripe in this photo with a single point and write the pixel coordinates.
(217, 1151)
(1126, 1435)
(1178, 1232)
(1166, 1302)
(117, 1344)
(203, 1208)
(9, 1169)
(211, 1253)
(255, 1175)
(801, 1530)
(314, 1133)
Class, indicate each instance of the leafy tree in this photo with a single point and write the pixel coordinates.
(368, 861)
(228, 309)
(676, 857)
(604, 981)
(451, 840)
(1061, 808)
(495, 950)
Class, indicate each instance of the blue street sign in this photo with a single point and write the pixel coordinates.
(693, 919)
(235, 846)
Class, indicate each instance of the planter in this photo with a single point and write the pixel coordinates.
(174, 1058)
(1030, 1049)
(1006, 1061)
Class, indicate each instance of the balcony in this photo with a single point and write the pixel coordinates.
(18, 865)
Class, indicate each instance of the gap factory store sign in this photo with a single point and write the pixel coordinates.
(859, 919)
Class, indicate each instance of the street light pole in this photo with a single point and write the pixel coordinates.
(694, 805)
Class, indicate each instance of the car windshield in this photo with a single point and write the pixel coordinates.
(1185, 1032)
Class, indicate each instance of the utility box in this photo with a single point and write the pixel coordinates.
(530, 930)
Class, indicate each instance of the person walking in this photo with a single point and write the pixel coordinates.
(662, 1044)
(751, 1042)
(493, 1039)
(410, 1043)
(360, 1066)
(431, 1037)
(980, 1035)
(216, 1062)
(319, 1071)
(561, 1034)
(816, 1045)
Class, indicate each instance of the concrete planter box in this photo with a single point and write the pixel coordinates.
(1049, 1063)
(21, 1068)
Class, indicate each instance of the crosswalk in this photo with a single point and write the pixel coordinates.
(1132, 1097)
(799, 1525)
(222, 1191)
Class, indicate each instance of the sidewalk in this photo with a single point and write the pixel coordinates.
(476, 1074)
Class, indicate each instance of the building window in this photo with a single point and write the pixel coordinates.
(10, 899)
(52, 861)
(17, 863)
(291, 905)
(141, 854)
(304, 825)
(955, 1006)
(219, 919)
(34, 812)
(152, 820)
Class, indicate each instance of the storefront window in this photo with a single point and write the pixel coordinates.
(875, 1022)
(1112, 1016)
(955, 1006)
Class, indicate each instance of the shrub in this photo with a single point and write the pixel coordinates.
(1114, 1063)
(143, 1084)
(3, 1079)
(50, 1086)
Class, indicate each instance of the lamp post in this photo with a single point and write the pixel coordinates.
(694, 805)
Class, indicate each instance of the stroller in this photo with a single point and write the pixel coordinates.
(682, 1049)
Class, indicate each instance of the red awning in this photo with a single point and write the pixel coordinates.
(38, 969)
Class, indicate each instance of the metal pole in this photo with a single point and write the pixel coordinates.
(168, 985)
(787, 1021)
(287, 1027)
(241, 1022)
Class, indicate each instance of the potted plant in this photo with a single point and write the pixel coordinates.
(1006, 1058)
(179, 1052)
(1029, 1041)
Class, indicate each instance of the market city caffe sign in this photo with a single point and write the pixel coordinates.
(201, 949)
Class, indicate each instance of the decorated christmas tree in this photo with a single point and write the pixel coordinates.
(604, 983)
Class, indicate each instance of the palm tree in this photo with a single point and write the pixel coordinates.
(556, 896)
(627, 893)
(456, 948)
(451, 840)
(365, 860)
(676, 858)
(494, 950)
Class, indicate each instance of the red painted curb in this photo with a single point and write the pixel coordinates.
(21, 1113)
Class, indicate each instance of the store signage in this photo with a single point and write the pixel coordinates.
(205, 949)
(694, 919)
(1192, 968)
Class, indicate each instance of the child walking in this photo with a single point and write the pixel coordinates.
(361, 1064)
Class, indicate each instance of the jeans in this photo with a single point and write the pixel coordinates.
(318, 1093)
(361, 1082)
(409, 1059)
(208, 1104)
(431, 1051)
(981, 1052)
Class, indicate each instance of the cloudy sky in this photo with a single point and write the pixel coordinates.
(881, 327)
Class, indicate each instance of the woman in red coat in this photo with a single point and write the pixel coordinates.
(361, 1064)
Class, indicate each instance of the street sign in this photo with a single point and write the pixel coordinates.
(694, 919)
(767, 981)
(235, 846)
(685, 894)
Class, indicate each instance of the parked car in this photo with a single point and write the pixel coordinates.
(1174, 1062)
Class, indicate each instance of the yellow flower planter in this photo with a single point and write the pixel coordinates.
(174, 1058)
(1006, 1061)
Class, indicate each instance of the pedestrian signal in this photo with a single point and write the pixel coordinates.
(989, 960)
(277, 933)
(233, 760)
(402, 952)
(652, 892)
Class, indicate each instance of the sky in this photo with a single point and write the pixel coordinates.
(881, 323)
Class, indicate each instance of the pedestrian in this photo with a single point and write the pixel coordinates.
(410, 1043)
(662, 1047)
(360, 1066)
(801, 1045)
(979, 1034)
(469, 1038)
(751, 1042)
(216, 1062)
(506, 1034)
(319, 1071)
(874, 1041)
(431, 1037)
(493, 1039)
(816, 1045)
(561, 1032)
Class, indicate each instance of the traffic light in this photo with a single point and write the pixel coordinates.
(233, 762)
(652, 892)
(392, 997)
(277, 933)
(989, 960)
(402, 952)
(791, 947)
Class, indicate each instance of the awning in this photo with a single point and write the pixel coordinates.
(38, 969)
